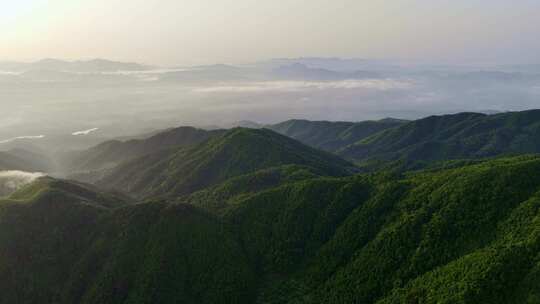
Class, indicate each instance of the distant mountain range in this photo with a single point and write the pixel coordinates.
(299, 71)
(25, 160)
(81, 66)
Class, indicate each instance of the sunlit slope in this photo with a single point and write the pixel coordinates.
(332, 136)
(111, 153)
(239, 151)
(42, 233)
(464, 235)
(284, 234)
(63, 243)
(464, 135)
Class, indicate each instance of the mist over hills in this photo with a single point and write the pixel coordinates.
(313, 238)
(79, 66)
(111, 153)
(274, 182)
(332, 136)
(128, 98)
(176, 172)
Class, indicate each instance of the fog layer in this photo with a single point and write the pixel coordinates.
(105, 99)
(10, 181)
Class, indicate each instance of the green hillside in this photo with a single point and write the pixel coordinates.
(64, 243)
(252, 216)
(332, 136)
(468, 234)
(464, 235)
(177, 172)
(42, 230)
(225, 196)
(158, 253)
(458, 136)
(111, 153)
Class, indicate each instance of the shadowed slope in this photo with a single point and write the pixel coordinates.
(237, 152)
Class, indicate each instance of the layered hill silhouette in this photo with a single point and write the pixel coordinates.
(63, 242)
(463, 135)
(332, 136)
(176, 172)
(254, 216)
(24, 160)
(112, 153)
(422, 142)
(456, 235)
(87, 66)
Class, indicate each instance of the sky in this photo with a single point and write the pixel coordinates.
(191, 32)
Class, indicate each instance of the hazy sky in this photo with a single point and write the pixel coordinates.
(235, 31)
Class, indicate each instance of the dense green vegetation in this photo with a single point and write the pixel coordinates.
(464, 235)
(332, 136)
(251, 216)
(111, 153)
(64, 243)
(458, 136)
(41, 227)
(177, 172)
(468, 234)
(374, 145)
(222, 197)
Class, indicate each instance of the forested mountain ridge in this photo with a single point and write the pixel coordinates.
(112, 153)
(176, 172)
(422, 142)
(456, 136)
(252, 216)
(449, 236)
(441, 236)
(332, 136)
(64, 243)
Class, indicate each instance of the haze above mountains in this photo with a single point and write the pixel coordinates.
(114, 198)
(441, 209)
(124, 99)
(258, 171)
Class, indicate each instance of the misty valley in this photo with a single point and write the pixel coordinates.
(269, 152)
(440, 209)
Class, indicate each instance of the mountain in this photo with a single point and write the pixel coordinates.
(64, 243)
(446, 137)
(24, 160)
(80, 66)
(42, 231)
(299, 71)
(275, 221)
(332, 136)
(50, 75)
(111, 153)
(223, 197)
(244, 124)
(239, 151)
(334, 64)
(463, 235)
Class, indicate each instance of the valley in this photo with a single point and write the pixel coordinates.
(443, 209)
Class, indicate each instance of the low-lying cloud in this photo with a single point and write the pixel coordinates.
(296, 86)
(21, 137)
(12, 180)
(84, 132)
